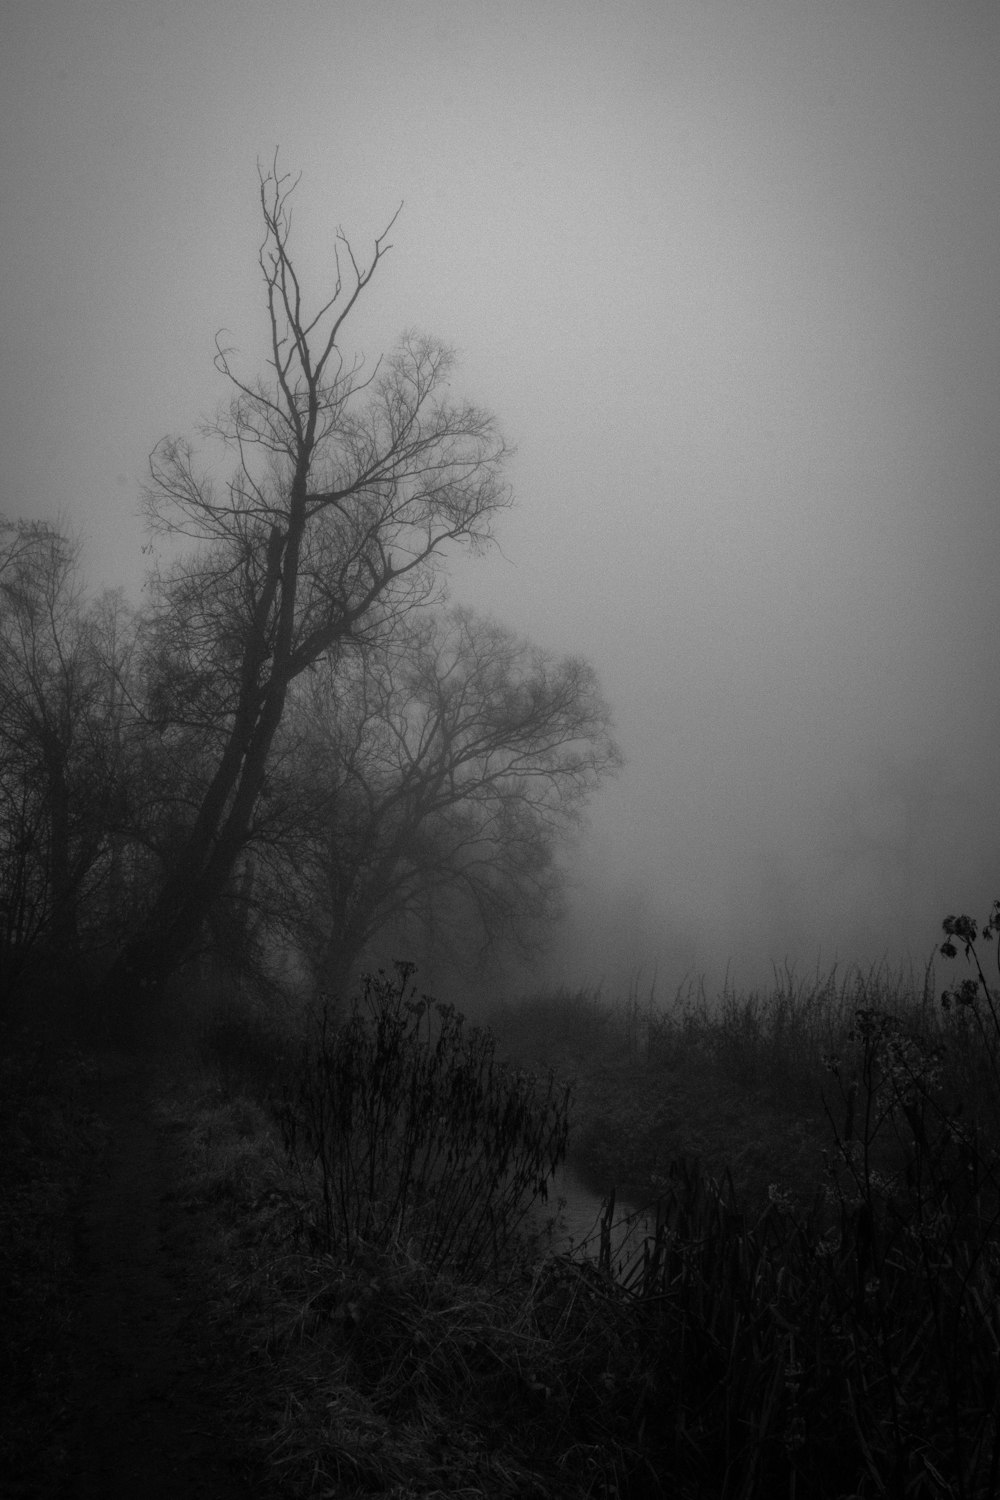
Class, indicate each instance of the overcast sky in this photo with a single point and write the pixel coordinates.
(727, 271)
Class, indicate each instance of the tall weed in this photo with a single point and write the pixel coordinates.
(417, 1132)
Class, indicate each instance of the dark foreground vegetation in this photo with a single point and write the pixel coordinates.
(814, 1311)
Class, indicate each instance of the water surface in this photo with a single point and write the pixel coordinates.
(578, 1208)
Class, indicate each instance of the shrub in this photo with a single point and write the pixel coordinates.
(417, 1132)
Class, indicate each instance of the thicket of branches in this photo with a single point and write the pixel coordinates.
(293, 740)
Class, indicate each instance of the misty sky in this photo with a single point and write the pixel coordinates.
(727, 270)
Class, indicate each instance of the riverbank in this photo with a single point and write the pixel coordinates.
(806, 1342)
(179, 1337)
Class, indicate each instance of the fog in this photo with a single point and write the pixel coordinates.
(725, 269)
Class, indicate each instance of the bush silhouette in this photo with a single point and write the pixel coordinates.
(417, 1132)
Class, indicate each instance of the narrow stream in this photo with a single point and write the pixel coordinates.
(578, 1209)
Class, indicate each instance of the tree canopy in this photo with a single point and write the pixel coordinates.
(435, 777)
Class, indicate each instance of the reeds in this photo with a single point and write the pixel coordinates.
(815, 1355)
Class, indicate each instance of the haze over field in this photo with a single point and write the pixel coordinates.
(727, 272)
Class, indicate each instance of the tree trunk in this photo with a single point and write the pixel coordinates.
(205, 861)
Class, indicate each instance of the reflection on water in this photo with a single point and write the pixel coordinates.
(577, 1210)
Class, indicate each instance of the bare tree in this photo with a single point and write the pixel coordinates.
(348, 484)
(62, 748)
(436, 776)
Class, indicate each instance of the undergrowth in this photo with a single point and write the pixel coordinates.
(814, 1309)
(846, 1348)
(417, 1133)
(50, 1135)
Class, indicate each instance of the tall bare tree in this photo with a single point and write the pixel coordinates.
(348, 484)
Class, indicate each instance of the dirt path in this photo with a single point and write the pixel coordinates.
(145, 1418)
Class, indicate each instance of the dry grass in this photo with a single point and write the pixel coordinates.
(372, 1375)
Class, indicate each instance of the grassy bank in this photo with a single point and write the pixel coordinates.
(816, 1313)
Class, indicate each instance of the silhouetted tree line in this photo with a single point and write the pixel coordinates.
(293, 741)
